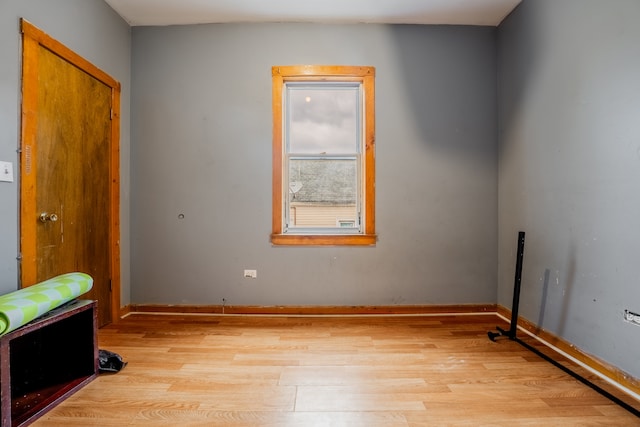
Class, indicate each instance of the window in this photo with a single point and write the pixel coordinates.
(323, 155)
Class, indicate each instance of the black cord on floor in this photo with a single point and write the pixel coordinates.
(580, 378)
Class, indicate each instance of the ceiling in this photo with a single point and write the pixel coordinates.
(445, 12)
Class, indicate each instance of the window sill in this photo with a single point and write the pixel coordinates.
(324, 240)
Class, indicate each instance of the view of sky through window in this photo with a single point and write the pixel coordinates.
(323, 120)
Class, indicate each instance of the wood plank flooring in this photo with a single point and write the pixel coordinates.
(209, 370)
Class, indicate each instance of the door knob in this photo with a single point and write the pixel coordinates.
(44, 217)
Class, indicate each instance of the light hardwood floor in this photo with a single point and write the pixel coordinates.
(329, 371)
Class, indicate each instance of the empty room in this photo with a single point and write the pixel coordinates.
(348, 213)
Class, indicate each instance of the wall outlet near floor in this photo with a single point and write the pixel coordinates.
(251, 274)
(632, 317)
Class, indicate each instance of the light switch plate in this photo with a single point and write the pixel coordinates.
(6, 171)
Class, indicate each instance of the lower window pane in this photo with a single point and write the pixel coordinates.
(323, 193)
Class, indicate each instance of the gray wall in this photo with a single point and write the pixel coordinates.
(201, 132)
(569, 168)
(94, 31)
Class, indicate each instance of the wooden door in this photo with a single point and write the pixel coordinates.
(68, 197)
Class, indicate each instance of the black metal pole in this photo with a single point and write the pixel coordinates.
(517, 281)
(511, 333)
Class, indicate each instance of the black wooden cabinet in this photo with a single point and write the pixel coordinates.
(47, 360)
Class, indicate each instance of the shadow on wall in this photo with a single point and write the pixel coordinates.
(518, 57)
(543, 303)
(567, 291)
(447, 79)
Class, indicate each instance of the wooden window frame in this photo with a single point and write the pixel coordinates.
(314, 73)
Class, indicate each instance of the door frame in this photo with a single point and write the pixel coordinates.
(32, 39)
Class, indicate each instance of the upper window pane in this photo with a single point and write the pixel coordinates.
(323, 119)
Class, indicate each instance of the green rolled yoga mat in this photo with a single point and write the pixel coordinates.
(22, 306)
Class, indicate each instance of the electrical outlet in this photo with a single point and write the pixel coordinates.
(632, 317)
(251, 274)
